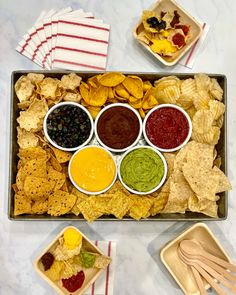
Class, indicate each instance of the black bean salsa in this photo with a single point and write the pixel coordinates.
(68, 126)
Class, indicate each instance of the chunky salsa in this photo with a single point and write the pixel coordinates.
(167, 128)
(118, 127)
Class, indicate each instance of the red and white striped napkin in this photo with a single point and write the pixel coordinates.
(189, 59)
(67, 39)
(104, 284)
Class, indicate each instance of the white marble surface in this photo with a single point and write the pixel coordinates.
(138, 269)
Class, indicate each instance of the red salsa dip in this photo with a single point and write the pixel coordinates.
(167, 128)
(118, 127)
(75, 282)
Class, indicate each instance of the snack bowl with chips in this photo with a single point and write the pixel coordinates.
(167, 127)
(71, 262)
(92, 170)
(68, 126)
(167, 31)
(181, 272)
(142, 170)
(118, 127)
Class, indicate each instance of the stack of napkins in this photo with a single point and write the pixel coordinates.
(67, 39)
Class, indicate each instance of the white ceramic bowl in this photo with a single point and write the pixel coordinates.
(186, 116)
(83, 190)
(54, 143)
(112, 106)
(160, 183)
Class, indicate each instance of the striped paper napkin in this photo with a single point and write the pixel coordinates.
(104, 284)
(67, 39)
(189, 59)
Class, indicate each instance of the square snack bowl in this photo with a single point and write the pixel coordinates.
(180, 271)
(195, 30)
(91, 275)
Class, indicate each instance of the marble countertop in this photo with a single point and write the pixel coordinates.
(138, 268)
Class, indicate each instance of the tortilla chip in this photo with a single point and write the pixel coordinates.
(31, 168)
(204, 182)
(159, 202)
(69, 96)
(38, 188)
(201, 154)
(170, 159)
(48, 87)
(211, 210)
(197, 204)
(38, 108)
(24, 88)
(60, 203)
(224, 184)
(70, 81)
(32, 153)
(28, 121)
(119, 205)
(102, 261)
(181, 156)
(118, 187)
(35, 78)
(55, 271)
(55, 164)
(180, 192)
(80, 198)
(26, 139)
(57, 177)
(40, 207)
(22, 204)
(140, 206)
(89, 211)
(61, 156)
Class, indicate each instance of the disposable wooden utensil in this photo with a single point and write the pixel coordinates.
(190, 247)
(204, 274)
(220, 269)
(199, 281)
(214, 266)
(212, 272)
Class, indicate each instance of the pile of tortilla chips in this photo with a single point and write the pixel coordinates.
(194, 178)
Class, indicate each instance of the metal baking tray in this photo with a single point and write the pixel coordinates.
(13, 159)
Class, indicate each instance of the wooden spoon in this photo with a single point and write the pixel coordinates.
(213, 273)
(199, 281)
(214, 266)
(192, 248)
(204, 274)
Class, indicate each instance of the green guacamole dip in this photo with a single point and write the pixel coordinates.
(142, 169)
